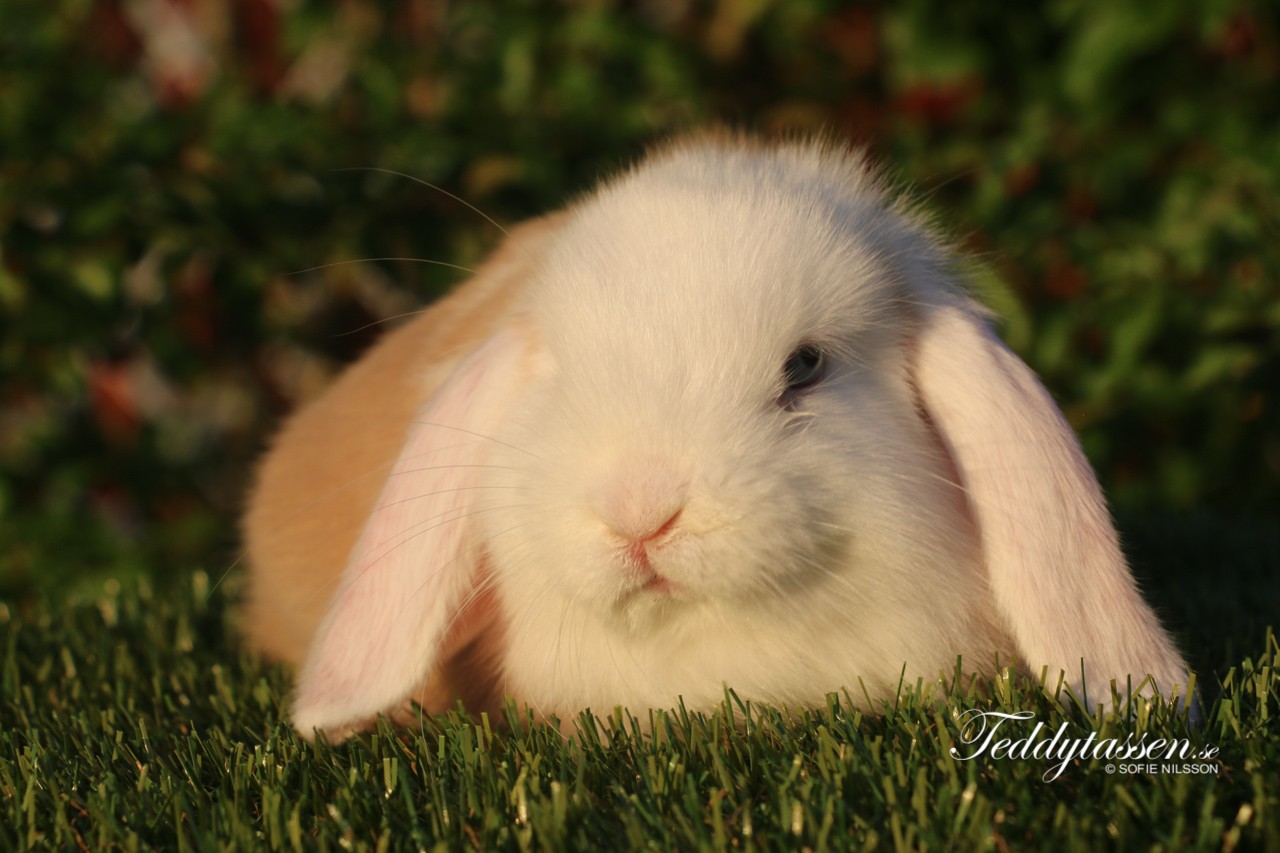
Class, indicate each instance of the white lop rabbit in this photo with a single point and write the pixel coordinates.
(729, 420)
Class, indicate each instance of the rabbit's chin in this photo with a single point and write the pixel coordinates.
(651, 607)
(631, 605)
(655, 648)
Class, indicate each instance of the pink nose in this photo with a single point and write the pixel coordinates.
(646, 527)
(642, 509)
(638, 550)
(660, 531)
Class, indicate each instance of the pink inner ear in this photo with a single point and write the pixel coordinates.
(414, 565)
(1051, 553)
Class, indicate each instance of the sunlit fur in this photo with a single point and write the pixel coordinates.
(633, 512)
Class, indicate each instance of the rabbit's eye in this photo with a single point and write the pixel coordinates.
(804, 368)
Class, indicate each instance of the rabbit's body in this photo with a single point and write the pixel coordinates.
(318, 485)
(725, 422)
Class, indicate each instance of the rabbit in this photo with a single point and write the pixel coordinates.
(728, 420)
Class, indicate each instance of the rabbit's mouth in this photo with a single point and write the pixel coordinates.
(649, 598)
(658, 584)
(636, 559)
(643, 579)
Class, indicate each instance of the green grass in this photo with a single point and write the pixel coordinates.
(132, 719)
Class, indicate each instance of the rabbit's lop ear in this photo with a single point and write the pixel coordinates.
(1051, 554)
(416, 562)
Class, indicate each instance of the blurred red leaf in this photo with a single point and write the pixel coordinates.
(938, 103)
(854, 35)
(1238, 37)
(113, 401)
(259, 26)
(110, 36)
(1081, 205)
(197, 315)
(1065, 280)
(1021, 179)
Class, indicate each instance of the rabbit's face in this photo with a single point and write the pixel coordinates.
(720, 418)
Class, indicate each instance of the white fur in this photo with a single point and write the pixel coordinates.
(817, 547)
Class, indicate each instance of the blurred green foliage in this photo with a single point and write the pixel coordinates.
(167, 169)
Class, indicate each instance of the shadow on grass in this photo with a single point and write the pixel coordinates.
(1214, 581)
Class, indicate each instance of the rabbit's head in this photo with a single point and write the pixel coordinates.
(742, 428)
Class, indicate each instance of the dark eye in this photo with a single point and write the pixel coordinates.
(804, 368)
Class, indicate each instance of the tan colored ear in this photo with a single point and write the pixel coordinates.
(1051, 553)
(414, 567)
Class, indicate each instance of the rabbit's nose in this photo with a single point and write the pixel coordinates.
(653, 536)
(640, 509)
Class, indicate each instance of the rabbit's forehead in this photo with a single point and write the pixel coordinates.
(685, 273)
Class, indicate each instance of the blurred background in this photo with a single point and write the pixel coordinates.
(184, 187)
